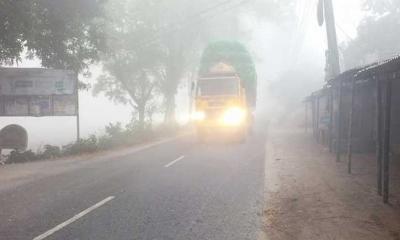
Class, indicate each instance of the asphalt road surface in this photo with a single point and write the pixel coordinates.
(177, 189)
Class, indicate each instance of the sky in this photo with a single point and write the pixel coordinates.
(281, 48)
(269, 44)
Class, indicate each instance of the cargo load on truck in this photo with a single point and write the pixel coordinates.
(235, 54)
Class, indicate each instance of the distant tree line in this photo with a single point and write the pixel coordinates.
(378, 35)
(61, 33)
(145, 47)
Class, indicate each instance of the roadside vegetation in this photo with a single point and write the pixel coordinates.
(145, 50)
(115, 136)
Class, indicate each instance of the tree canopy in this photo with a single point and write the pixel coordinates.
(61, 33)
(130, 66)
(377, 37)
(145, 46)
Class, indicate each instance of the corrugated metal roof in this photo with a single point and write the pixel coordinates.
(347, 75)
(350, 73)
(391, 65)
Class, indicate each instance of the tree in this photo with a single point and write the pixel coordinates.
(188, 26)
(174, 31)
(126, 83)
(179, 31)
(131, 69)
(181, 51)
(61, 33)
(378, 36)
(379, 7)
(184, 30)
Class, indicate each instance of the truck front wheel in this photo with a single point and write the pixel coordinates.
(201, 136)
(240, 137)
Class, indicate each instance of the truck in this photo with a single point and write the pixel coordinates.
(225, 92)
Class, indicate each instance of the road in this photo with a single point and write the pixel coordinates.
(177, 189)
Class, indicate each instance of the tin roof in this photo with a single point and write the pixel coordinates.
(391, 65)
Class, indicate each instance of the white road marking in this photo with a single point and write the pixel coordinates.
(73, 219)
(175, 161)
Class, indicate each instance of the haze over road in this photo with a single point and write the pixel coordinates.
(178, 189)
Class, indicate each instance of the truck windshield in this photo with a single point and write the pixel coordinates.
(218, 86)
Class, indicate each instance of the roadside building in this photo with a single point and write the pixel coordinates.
(362, 115)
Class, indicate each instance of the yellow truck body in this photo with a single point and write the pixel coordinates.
(220, 105)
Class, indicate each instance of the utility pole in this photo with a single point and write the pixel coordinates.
(326, 12)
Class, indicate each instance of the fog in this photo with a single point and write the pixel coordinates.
(290, 61)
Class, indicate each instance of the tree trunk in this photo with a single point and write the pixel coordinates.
(172, 81)
(173, 73)
(141, 113)
(169, 108)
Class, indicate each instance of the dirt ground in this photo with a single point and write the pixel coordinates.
(310, 196)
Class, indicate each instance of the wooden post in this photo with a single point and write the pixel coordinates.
(331, 98)
(306, 116)
(339, 123)
(386, 139)
(78, 131)
(317, 121)
(313, 115)
(351, 123)
(379, 123)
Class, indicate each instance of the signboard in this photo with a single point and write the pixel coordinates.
(36, 81)
(15, 106)
(37, 92)
(40, 106)
(64, 105)
(13, 137)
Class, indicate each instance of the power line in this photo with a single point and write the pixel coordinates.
(197, 18)
(304, 31)
(213, 7)
(343, 31)
(295, 33)
(300, 32)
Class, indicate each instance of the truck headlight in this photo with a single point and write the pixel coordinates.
(198, 116)
(234, 116)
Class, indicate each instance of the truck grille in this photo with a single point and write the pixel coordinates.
(216, 103)
(213, 114)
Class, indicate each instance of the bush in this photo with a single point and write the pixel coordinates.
(21, 156)
(115, 136)
(87, 145)
(50, 152)
(114, 130)
(105, 142)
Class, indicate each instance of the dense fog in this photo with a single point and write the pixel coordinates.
(283, 37)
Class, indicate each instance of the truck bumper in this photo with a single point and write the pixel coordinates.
(229, 133)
